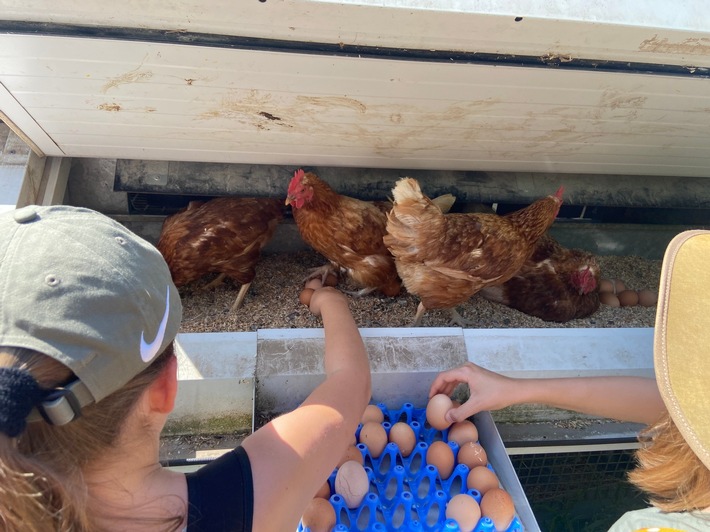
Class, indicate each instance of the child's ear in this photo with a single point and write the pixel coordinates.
(162, 392)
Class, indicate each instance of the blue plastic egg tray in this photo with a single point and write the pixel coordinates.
(406, 493)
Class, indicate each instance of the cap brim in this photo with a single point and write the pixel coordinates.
(682, 338)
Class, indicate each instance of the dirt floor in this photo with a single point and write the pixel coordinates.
(272, 301)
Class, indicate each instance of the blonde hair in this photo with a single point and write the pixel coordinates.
(42, 487)
(669, 471)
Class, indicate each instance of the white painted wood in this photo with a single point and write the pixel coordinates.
(20, 173)
(54, 180)
(655, 31)
(22, 123)
(121, 99)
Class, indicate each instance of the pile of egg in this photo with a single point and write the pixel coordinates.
(614, 293)
(411, 470)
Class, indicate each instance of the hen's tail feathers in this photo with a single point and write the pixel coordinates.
(407, 189)
(444, 202)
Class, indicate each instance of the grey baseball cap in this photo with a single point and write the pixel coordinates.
(84, 290)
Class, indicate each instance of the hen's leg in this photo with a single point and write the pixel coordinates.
(459, 319)
(323, 272)
(217, 281)
(240, 297)
(359, 293)
(421, 309)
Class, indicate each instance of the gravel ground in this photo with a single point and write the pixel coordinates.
(272, 301)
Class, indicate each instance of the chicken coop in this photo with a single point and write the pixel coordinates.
(138, 110)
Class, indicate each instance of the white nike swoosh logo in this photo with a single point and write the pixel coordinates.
(149, 350)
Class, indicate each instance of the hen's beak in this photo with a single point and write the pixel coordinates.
(288, 201)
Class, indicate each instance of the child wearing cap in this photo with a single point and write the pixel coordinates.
(88, 377)
(674, 461)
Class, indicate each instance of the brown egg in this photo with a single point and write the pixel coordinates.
(472, 454)
(351, 483)
(498, 506)
(463, 509)
(436, 408)
(324, 491)
(374, 436)
(462, 432)
(628, 298)
(647, 298)
(319, 516)
(305, 296)
(440, 455)
(481, 479)
(619, 286)
(372, 413)
(313, 284)
(607, 298)
(331, 280)
(351, 453)
(403, 435)
(605, 285)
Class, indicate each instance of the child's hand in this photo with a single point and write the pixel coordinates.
(487, 390)
(314, 295)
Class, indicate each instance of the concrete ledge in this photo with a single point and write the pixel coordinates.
(216, 383)
(562, 352)
(227, 378)
(403, 363)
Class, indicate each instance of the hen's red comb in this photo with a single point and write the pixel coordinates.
(296, 180)
(559, 192)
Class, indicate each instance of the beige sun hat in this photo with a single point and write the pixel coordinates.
(682, 338)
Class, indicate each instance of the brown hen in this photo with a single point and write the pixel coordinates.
(555, 284)
(446, 258)
(347, 232)
(223, 235)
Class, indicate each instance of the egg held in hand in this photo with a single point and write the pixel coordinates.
(305, 296)
(436, 410)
